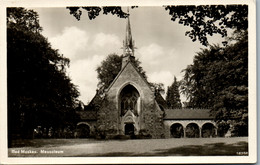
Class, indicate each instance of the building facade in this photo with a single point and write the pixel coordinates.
(131, 107)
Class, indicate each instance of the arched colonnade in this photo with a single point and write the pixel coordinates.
(192, 129)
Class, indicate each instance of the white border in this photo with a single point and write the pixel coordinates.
(252, 139)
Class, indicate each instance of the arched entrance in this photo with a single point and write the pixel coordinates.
(177, 130)
(129, 129)
(129, 100)
(208, 130)
(192, 130)
(83, 131)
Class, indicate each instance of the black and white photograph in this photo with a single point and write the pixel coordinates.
(129, 83)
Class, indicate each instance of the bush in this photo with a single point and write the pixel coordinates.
(140, 136)
(240, 129)
(223, 127)
(118, 137)
(143, 134)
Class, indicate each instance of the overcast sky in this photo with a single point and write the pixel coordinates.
(162, 47)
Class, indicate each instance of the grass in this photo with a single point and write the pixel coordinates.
(215, 149)
(37, 143)
(148, 147)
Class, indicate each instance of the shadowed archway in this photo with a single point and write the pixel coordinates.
(177, 130)
(192, 130)
(83, 131)
(208, 130)
(129, 129)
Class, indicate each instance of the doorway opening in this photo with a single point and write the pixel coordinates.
(129, 129)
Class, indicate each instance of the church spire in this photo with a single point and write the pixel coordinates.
(128, 44)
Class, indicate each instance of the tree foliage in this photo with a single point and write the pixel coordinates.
(94, 11)
(39, 91)
(109, 69)
(173, 96)
(158, 88)
(23, 20)
(218, 79)
(205, 20)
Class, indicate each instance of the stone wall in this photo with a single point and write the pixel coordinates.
(152, 120)
(150, 117)
(107, 117)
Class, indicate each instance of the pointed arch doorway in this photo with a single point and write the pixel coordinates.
(129, 129)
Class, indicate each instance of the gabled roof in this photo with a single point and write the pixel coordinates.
(129, 62)
(87, 115)
(160, 100)
(94, 103)
(187, 114)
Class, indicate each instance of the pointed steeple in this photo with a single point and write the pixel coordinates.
(128, 43)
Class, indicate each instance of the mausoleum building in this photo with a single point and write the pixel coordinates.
(130, 107)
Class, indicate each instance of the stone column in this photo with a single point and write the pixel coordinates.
(200, 129)
(184, 132)
(216, 132)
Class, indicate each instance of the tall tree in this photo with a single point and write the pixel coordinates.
(173, 96)
(39, 91)
(109, 69)
(218, 78)
(205, 20)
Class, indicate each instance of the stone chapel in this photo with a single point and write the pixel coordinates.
(131, 107)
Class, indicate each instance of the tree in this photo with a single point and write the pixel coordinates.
(94, 11)
(21, 19)
(173, 96)
(39, 91)
(218, 79)
(205, 20)
(158, 88)
(109, 69)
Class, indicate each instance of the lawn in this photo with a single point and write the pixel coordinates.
(147, 147)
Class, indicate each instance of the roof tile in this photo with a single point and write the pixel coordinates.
(187, 114)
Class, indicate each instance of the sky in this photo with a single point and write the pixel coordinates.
(162, 47)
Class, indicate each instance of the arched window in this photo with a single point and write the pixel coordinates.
(129, 100)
